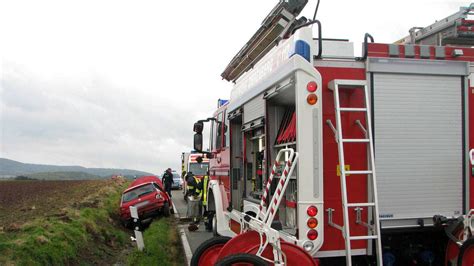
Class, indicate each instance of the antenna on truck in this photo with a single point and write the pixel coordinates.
(281, 21)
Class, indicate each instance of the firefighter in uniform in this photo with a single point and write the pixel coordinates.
(206, 213)
(205, 181)
(194, 195)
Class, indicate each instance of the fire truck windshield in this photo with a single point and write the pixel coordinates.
(198, 169)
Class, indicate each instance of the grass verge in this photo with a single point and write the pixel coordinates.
(162, 245)
(87, 232)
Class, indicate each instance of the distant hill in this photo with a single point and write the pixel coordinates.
(63, 176)
(11, 168)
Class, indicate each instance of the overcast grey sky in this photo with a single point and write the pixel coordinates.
(120, 83)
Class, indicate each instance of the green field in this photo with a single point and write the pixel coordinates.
(162, 245)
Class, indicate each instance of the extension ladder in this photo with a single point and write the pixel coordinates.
(374, 229)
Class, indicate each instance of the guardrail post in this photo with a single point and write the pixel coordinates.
(136, 228)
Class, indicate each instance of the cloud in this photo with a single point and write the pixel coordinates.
(90, 122)
(120, 83)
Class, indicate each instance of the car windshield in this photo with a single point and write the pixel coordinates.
(198, 168)
(137, 192)
(176, 177)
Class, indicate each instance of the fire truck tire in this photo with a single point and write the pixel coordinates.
(166, 209)
(466, 253)
(214, 226)
(242, 258)
(208, 252)
(209, 222)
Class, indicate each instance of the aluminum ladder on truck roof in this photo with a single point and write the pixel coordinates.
(281, 20)
(337, 85)
(456, 29)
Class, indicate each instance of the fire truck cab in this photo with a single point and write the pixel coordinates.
(322, 157)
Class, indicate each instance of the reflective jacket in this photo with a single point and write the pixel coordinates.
(204, 190)
(194, 186)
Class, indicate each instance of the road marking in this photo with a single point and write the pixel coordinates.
(184, 238)
(187, 248)
(176, 214)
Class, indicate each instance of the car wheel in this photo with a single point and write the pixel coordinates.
(166, 209)
(126, 224)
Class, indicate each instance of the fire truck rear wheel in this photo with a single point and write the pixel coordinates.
(214, 226)
(242, 258)
(209, 220)
(466, 253)
(208, 251)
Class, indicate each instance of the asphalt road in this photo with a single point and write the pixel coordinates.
(194, 238)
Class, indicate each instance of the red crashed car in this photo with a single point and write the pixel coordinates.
(148, 195)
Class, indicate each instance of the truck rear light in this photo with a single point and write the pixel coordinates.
(312, 86)
(312, 211)
(312, 234)
(312, 223)
(312, 99)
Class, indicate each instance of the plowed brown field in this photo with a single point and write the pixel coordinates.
(21, 201)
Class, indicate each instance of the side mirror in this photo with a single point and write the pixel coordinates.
(198, 127)
(198, 142)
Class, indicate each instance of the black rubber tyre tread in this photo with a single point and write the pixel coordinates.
(209, 218)
(463, 248)
(166, 209)
(205, 245)
(214, 226)
(242, 258)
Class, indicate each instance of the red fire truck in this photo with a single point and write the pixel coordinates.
(323, 157)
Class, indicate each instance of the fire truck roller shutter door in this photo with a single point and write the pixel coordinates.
(418, 129)
(254, 109)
